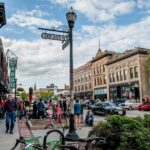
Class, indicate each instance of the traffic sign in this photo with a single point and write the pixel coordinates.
(54, 36)
(65, 44)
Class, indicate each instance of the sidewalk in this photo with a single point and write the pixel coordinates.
(7, 141)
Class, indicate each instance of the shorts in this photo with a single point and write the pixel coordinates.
(77, 114)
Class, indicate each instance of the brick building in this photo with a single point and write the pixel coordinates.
(83, 81)
(99, 72)
(128, 76)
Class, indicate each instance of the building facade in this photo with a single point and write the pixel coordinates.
(83, 86)
(4, 79)
(128, 76)
(99, 74)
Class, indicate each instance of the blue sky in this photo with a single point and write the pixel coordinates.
(123, 24)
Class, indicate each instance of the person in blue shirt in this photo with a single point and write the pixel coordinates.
(77, 112)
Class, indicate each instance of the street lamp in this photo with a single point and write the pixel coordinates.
(71, 18)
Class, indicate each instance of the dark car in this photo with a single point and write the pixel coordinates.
(105, 108)
(117, 102)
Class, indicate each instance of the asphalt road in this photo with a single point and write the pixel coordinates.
(130, 113)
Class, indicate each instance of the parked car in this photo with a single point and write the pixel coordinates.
(117, 102)
(130, 105)
(105, 108)
(144, 106)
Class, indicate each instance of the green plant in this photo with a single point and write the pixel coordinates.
(124, 133)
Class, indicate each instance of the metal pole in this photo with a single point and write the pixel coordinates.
(72, 135)
(15, 89)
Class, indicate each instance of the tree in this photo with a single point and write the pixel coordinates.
(124, 133)
(24, 95)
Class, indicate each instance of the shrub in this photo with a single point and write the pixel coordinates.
(124, 133)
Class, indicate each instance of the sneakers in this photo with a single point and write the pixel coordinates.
(11, 132)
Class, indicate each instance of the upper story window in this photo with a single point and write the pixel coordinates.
(110, 78)
(136, 71)
(125, 74)
(90, 75)
(95, 81)
(90, 86)
(86, 76)
(121, 75)
(104, 68)
(104, 79)
(82, 87)
(100, 81)
(86, 88)
(98, 70)
(94, 70)
(118, 76)
(113, 77)
(131, 73)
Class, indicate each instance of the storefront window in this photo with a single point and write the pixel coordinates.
(136, 72)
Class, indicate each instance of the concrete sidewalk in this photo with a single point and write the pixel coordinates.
(7, 141)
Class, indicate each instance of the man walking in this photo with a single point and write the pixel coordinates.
(10, 109)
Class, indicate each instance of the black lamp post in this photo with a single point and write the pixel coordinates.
(72, 135)
(15, 89)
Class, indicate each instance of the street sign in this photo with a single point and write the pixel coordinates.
(65, 44)
(54, 36)
(13, 63)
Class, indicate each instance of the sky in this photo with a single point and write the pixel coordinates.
(119, 24)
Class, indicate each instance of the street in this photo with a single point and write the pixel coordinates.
(132, 113)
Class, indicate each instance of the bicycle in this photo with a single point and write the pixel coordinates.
(30, 144)
(88, 141)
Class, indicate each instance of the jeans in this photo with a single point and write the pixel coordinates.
(10, 120)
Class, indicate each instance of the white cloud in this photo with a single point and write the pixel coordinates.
(97, 10)
(32, 18)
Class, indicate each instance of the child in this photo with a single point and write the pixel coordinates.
(58, 113)
(89, 118)
(50, 114)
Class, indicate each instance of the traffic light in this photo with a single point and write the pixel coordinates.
(2, 15)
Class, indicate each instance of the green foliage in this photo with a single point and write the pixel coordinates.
(124, 133)
(45, 95)
(24, 95)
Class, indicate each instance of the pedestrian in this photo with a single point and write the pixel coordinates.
(66, 112)
(34, 115)
(77, 112)
(20, 109)
(50, 114)
(40, 107)
(89, 118)
(82, 108)
(58, 113)
(10, 109)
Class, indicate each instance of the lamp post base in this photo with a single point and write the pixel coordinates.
(72, 135)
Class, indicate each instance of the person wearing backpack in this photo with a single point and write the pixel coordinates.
(40, 107)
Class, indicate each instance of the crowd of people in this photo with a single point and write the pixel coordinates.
(55, 111)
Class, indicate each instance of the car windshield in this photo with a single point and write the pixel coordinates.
(109, 104)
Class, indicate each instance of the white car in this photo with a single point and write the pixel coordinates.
(131, 105)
